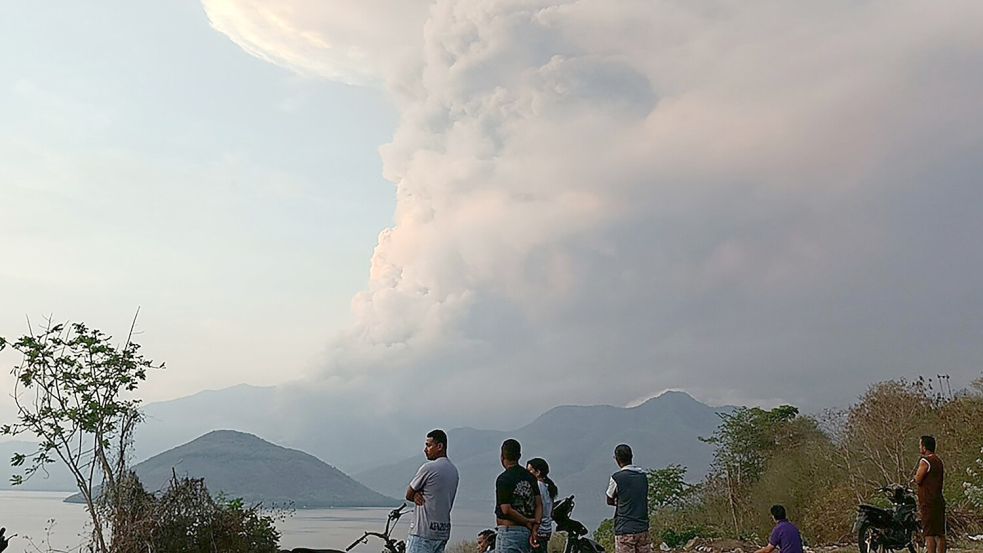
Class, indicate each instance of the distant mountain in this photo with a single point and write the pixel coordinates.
(292, 416)
(243, 465)
(578, 442)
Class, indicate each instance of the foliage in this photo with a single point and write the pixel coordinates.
(878, 442)
(820, 469)
(743, 443)
(71, 393)
(667, 486)
(604, 534)
(675, 539)
(973, 486)
(186, 518)
(463, 546)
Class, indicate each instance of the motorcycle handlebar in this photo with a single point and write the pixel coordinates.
(356, 542)
(383, 537)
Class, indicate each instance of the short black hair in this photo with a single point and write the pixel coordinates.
(929, 443)
(778, 512)
(622, 454)
(439, 437)
(511, 450)
(489, 535)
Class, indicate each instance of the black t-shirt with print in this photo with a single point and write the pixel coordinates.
(518, 488)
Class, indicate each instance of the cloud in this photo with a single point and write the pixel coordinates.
(351, 41)
(753, 202)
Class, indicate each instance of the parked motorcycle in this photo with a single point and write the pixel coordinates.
(884, 530)
(577, 540)
(390, 546)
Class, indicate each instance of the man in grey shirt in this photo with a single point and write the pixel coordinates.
(432, 490)
(628, 493)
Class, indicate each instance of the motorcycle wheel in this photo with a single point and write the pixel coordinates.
(865, 538)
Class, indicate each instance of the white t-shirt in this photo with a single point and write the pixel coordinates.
(437, 481)
(546, 528)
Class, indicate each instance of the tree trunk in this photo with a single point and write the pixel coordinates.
(733, 503)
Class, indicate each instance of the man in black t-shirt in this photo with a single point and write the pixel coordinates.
(518, 506)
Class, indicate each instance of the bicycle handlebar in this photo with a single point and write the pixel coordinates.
(379, 535)
(390, 543)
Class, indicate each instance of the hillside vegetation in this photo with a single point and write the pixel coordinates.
(820, 468)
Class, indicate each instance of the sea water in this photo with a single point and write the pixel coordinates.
(44, 519)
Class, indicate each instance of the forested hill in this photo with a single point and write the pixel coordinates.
(243, 465)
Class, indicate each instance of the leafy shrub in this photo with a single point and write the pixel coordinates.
(604, 534)
(185, 518)
(676, 539)
(973, 486)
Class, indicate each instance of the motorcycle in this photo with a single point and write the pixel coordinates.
(390, 546)
(577, 540)
(884, 530)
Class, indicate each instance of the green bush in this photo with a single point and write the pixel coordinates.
(676, 539)
(185, 518)
(604, 534)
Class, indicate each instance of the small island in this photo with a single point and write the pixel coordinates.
(245, 466)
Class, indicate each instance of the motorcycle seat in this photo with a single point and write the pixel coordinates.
(872, 509)
(572, 527)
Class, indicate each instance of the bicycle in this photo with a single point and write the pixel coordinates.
(391, 545)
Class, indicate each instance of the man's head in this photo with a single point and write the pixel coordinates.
(926, 444)
(436, 446)
(486, 541)
(622, 455)
(511, 452)
(778, 513)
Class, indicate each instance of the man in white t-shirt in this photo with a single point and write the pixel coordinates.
(432, 490)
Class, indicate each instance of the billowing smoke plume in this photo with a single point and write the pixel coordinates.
(599, 200)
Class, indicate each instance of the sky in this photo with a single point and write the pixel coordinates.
(146, 161)
(490, 207)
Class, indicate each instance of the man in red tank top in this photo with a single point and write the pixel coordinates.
(931, 504)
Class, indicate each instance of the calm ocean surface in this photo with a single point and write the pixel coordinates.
(27, 514)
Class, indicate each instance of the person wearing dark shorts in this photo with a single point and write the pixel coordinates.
(518, 505)
(784, 536)
(930, 477)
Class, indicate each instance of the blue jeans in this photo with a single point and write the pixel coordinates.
(512, 539)
(416, 544)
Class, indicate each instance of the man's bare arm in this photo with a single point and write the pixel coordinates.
(612, 493)
(923, 468)
(515, 516)
(414, 496)
(766, 549)
(537, 520)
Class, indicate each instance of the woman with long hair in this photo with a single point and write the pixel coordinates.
(547, 490)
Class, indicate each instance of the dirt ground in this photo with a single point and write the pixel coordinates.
(701, 545)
